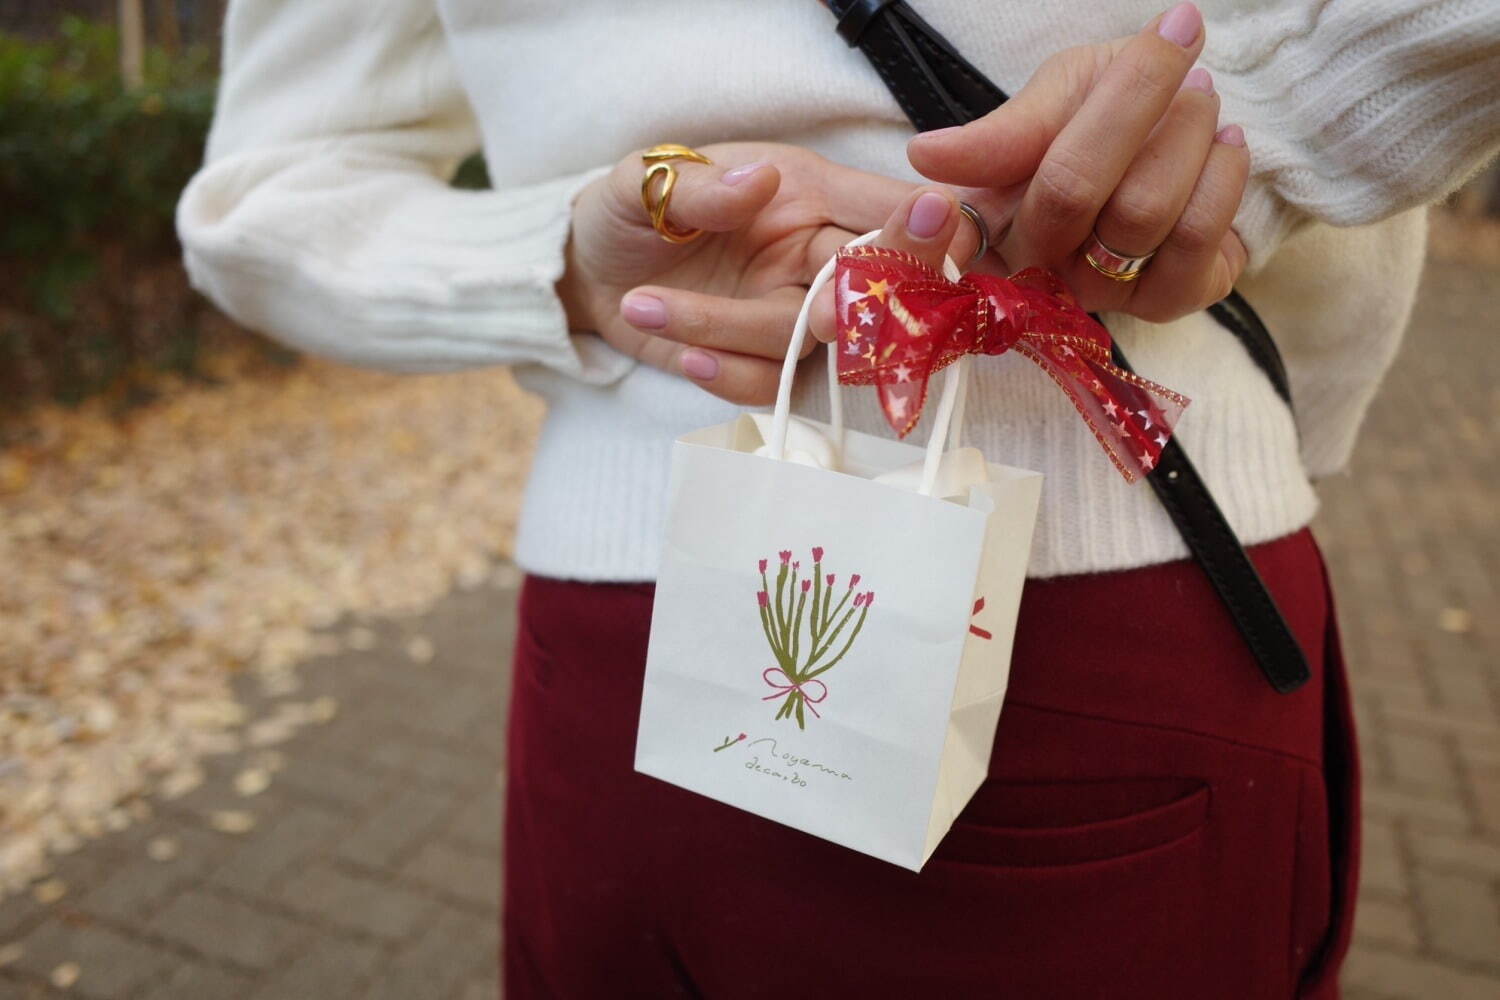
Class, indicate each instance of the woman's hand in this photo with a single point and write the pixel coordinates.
(1119, 139)
(720, 309)
(925, 223)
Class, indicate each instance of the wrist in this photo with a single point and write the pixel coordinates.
(573, 291)
(577, 289)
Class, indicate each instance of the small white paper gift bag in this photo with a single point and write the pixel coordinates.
(831, 637)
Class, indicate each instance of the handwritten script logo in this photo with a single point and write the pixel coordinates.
(782, 765)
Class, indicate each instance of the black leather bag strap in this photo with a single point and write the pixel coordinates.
(1234, 577)
(1236, 315)
(937, 87)
(934, 85)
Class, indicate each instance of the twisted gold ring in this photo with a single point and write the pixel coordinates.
(658, 160)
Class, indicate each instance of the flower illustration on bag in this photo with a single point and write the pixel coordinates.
(784, 611)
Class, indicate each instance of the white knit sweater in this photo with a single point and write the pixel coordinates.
(322, 218)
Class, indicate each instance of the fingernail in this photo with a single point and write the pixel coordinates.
(646, 311)
(1198, 78)
(698, 364)
(740, 173)
(927, 216)
(1231, 135)
(1181, 25)
(935, 133)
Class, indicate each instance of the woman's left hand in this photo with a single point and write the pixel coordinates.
(1119, 140)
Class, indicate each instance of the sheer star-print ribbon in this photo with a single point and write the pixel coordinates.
(901, 322)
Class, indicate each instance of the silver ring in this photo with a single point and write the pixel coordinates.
(1112, 264)
(972, 214)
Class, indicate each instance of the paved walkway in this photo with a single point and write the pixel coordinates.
(370, 870)
(1413, 537)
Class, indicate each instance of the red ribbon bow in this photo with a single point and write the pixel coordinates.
(901, 322)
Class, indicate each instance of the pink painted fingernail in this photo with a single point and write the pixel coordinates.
(646, 311)
(1231, 135)
(1181, 25)
(698, 364)
(740, 173)
(927, 216)
(1198, 78)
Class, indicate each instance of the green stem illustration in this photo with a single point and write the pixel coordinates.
(797, 626)
(809, 674)
(818, 653)
(776, 650)
(829, 616)
(780, 618)
(823, 596)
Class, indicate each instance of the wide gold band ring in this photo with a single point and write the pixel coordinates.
(1112, 264)
(658, 160)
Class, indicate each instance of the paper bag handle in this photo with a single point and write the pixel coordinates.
(950, 407)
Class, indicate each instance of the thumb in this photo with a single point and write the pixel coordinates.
(1006, 146)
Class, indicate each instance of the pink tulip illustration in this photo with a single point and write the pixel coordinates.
(795, 676)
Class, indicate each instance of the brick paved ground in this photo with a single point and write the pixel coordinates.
(1413, 536)
(371, 870)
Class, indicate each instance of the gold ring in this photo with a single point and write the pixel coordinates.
(658, 160)
(972, 214)
(1112, 264)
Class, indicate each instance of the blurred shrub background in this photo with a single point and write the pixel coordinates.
(97, 138)
(89, 173)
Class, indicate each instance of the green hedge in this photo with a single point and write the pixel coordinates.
(89, 178)
(82, 160)
(93, 298)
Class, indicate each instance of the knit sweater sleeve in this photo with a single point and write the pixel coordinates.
(1354, 110)
(322, 215)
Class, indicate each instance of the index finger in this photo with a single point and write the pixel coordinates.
(1092, 152)
(1005, 146)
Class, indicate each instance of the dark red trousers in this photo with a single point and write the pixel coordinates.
(1158, 822)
